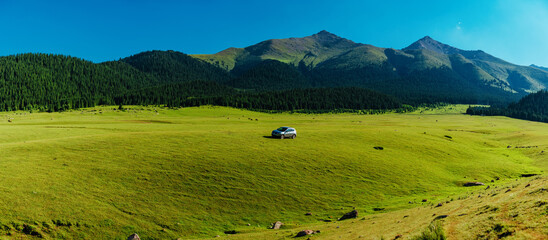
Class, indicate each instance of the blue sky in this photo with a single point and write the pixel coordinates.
(516, 31)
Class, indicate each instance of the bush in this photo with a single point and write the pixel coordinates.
(433, 232)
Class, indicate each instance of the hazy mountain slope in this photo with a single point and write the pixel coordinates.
(539, 67)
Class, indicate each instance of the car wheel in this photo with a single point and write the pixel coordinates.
(294, 136)
(282, 136)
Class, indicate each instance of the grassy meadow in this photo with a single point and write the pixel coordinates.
(100, 173)
(509, 211)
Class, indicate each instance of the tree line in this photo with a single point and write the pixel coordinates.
(532, 107)
(197, 93)
(48, 82)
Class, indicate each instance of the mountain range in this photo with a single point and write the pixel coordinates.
(424, 68)
(276, 74)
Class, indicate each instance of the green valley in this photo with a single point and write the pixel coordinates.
(198, 172)
(244, 120)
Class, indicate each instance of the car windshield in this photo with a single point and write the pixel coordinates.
(282, 129)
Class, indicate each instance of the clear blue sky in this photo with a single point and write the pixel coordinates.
(516, 31)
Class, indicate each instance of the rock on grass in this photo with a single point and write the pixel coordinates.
(348, 215)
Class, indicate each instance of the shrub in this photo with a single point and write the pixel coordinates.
(433, 232)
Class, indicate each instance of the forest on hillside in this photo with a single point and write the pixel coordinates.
(532, 107)
(48, 82)
(197, 93)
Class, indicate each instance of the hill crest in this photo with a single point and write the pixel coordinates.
(430, 44)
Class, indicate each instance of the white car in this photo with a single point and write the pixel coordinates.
(285, 132)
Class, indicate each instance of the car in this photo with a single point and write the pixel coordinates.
(285, 132)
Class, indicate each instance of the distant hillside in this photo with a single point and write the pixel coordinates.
(531, 107)
(327, 60)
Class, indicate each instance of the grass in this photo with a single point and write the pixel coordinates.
(433, 232)
(197, 172)
(493, 213)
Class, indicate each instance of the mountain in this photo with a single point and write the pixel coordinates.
(308, 51)
(539, 67)
(258, 76)
(493, 71)
(426, 70)
(433, 45)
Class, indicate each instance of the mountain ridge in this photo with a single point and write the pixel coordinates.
(429, 43)
(325, 51)
(539, 67)
(420, 73)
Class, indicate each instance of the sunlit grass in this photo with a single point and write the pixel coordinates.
(201, 171)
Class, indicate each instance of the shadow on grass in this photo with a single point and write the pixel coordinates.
(271, 137)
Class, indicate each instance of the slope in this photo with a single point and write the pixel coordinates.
(515, 210)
